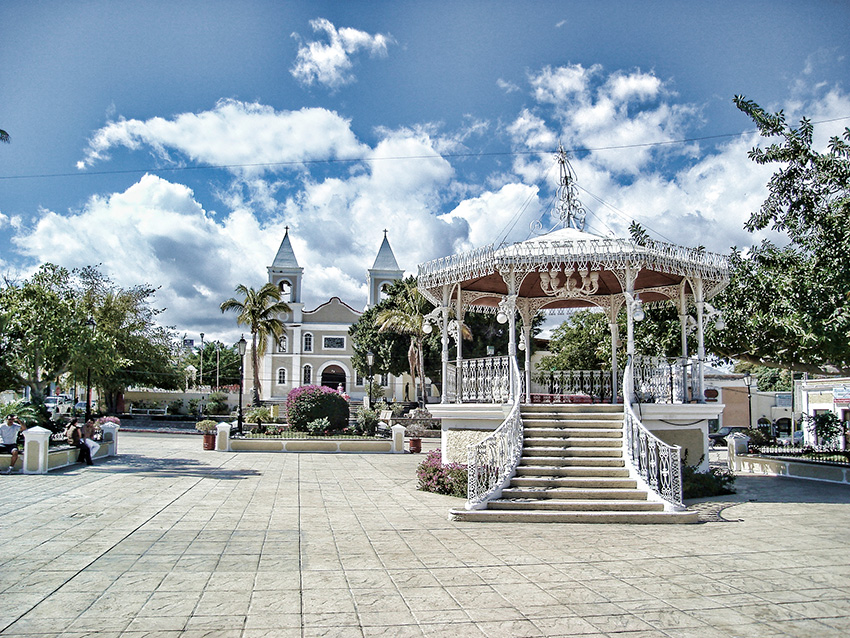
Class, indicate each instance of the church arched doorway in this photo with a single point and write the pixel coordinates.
(333, 377)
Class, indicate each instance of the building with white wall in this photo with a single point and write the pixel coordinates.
(315, 347)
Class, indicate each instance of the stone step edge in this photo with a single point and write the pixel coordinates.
(539, 516)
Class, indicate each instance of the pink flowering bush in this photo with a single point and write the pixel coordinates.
(311, 402)
(435, 477)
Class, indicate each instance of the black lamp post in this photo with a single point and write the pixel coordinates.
(370, 359)
(91, 324)
(242, 345)
(202, 359)
(748, 381)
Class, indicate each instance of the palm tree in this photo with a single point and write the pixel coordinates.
(406, 317)
(259, 310)
(4, 136)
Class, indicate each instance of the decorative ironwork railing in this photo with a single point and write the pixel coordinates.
(596, 384)
(485, 380)
(658, 464)
(492, 462)
(658, 380)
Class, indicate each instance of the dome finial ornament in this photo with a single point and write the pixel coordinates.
(570, 210)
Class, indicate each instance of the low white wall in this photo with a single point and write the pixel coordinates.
(742, 463)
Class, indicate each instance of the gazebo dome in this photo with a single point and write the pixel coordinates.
(569, 268)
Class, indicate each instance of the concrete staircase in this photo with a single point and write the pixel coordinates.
(572, 471)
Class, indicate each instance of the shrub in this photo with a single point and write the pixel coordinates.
(207, 426)
(715, 482)
(451, 479)
(826, 426)
(258, 415)
(367, 421)
(759, 437)
(319, 427)
(175, 407)
(310, 402)
(217, 404)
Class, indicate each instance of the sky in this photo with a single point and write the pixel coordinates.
(173, 142)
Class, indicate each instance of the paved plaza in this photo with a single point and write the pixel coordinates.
(169, 540)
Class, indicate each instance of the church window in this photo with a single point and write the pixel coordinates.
(334, 343)
(308, 375)
(385, 380)
(308, 342)
(359, 380)
(281, 376)
(281, 344)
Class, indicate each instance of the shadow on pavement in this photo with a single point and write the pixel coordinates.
(167, 467)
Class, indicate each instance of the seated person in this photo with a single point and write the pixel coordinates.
(9, 439)
(75, 438)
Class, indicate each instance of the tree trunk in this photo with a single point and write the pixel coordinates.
(255, 361)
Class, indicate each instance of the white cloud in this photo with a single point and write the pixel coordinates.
(249, 138)
(329, 63)
(562, 83)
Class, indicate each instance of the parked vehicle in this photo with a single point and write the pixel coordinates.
(58, 405)
(719, 437)
(80, 406)
(795, 440)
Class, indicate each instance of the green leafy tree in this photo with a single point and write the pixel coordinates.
(258, 310)
(582, 342)
(4, 136)
(789, 306)
(215, 353)
(406, 317)
(42, 318)
(125, 346)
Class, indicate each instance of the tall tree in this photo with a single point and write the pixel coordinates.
(41, 337)
(789, 306)
(407, 317)
(258, 310)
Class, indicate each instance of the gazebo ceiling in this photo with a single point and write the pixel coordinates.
(569, 268)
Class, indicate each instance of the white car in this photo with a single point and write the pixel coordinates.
(797, 440)
(58, 405)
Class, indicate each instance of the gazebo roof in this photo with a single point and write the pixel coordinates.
(569, 268)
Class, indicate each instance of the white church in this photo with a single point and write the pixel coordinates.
(315, 348)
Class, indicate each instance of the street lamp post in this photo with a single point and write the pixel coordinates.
(370, 360)
(243, 345)
(748, 381)
(202, 359)
(217, 353)
(91, 324)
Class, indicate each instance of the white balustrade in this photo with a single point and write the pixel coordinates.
(658, 464)
(492, 462)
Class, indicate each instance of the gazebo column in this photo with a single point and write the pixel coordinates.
(459, 344)
(631, 277)
(683, 321)
(444, 334)
(615, 339)
(699, 296)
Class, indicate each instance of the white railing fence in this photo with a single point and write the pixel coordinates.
(594, 383)
(485, 380)
(492, 462)
(656, 463)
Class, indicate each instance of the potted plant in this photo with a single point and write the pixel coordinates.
(415, 432)
(208, 428)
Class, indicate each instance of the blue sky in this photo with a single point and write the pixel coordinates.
(172, 142)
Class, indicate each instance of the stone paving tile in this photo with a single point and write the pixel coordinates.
(168, 540)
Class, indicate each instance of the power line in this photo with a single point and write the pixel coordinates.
(308, 162)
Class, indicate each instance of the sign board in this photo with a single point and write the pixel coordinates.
(841, 395)
(188, 343)
(783, 399)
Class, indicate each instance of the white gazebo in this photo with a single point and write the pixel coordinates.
(563, 270)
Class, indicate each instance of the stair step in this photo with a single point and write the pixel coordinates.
(610, 452)
(538, 516)
(573, 493)
(576, 505)
(571, 442)
(550, 422)
(576, 470)
(584, 482)
(566, 461)
(538, 432)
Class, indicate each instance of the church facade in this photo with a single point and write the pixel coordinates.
(315, 347)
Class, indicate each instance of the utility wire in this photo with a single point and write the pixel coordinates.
(308, 162)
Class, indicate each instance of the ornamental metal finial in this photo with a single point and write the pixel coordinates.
(570, 210)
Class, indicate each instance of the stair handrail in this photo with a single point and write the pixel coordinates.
(657, 464)
(492, 462)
